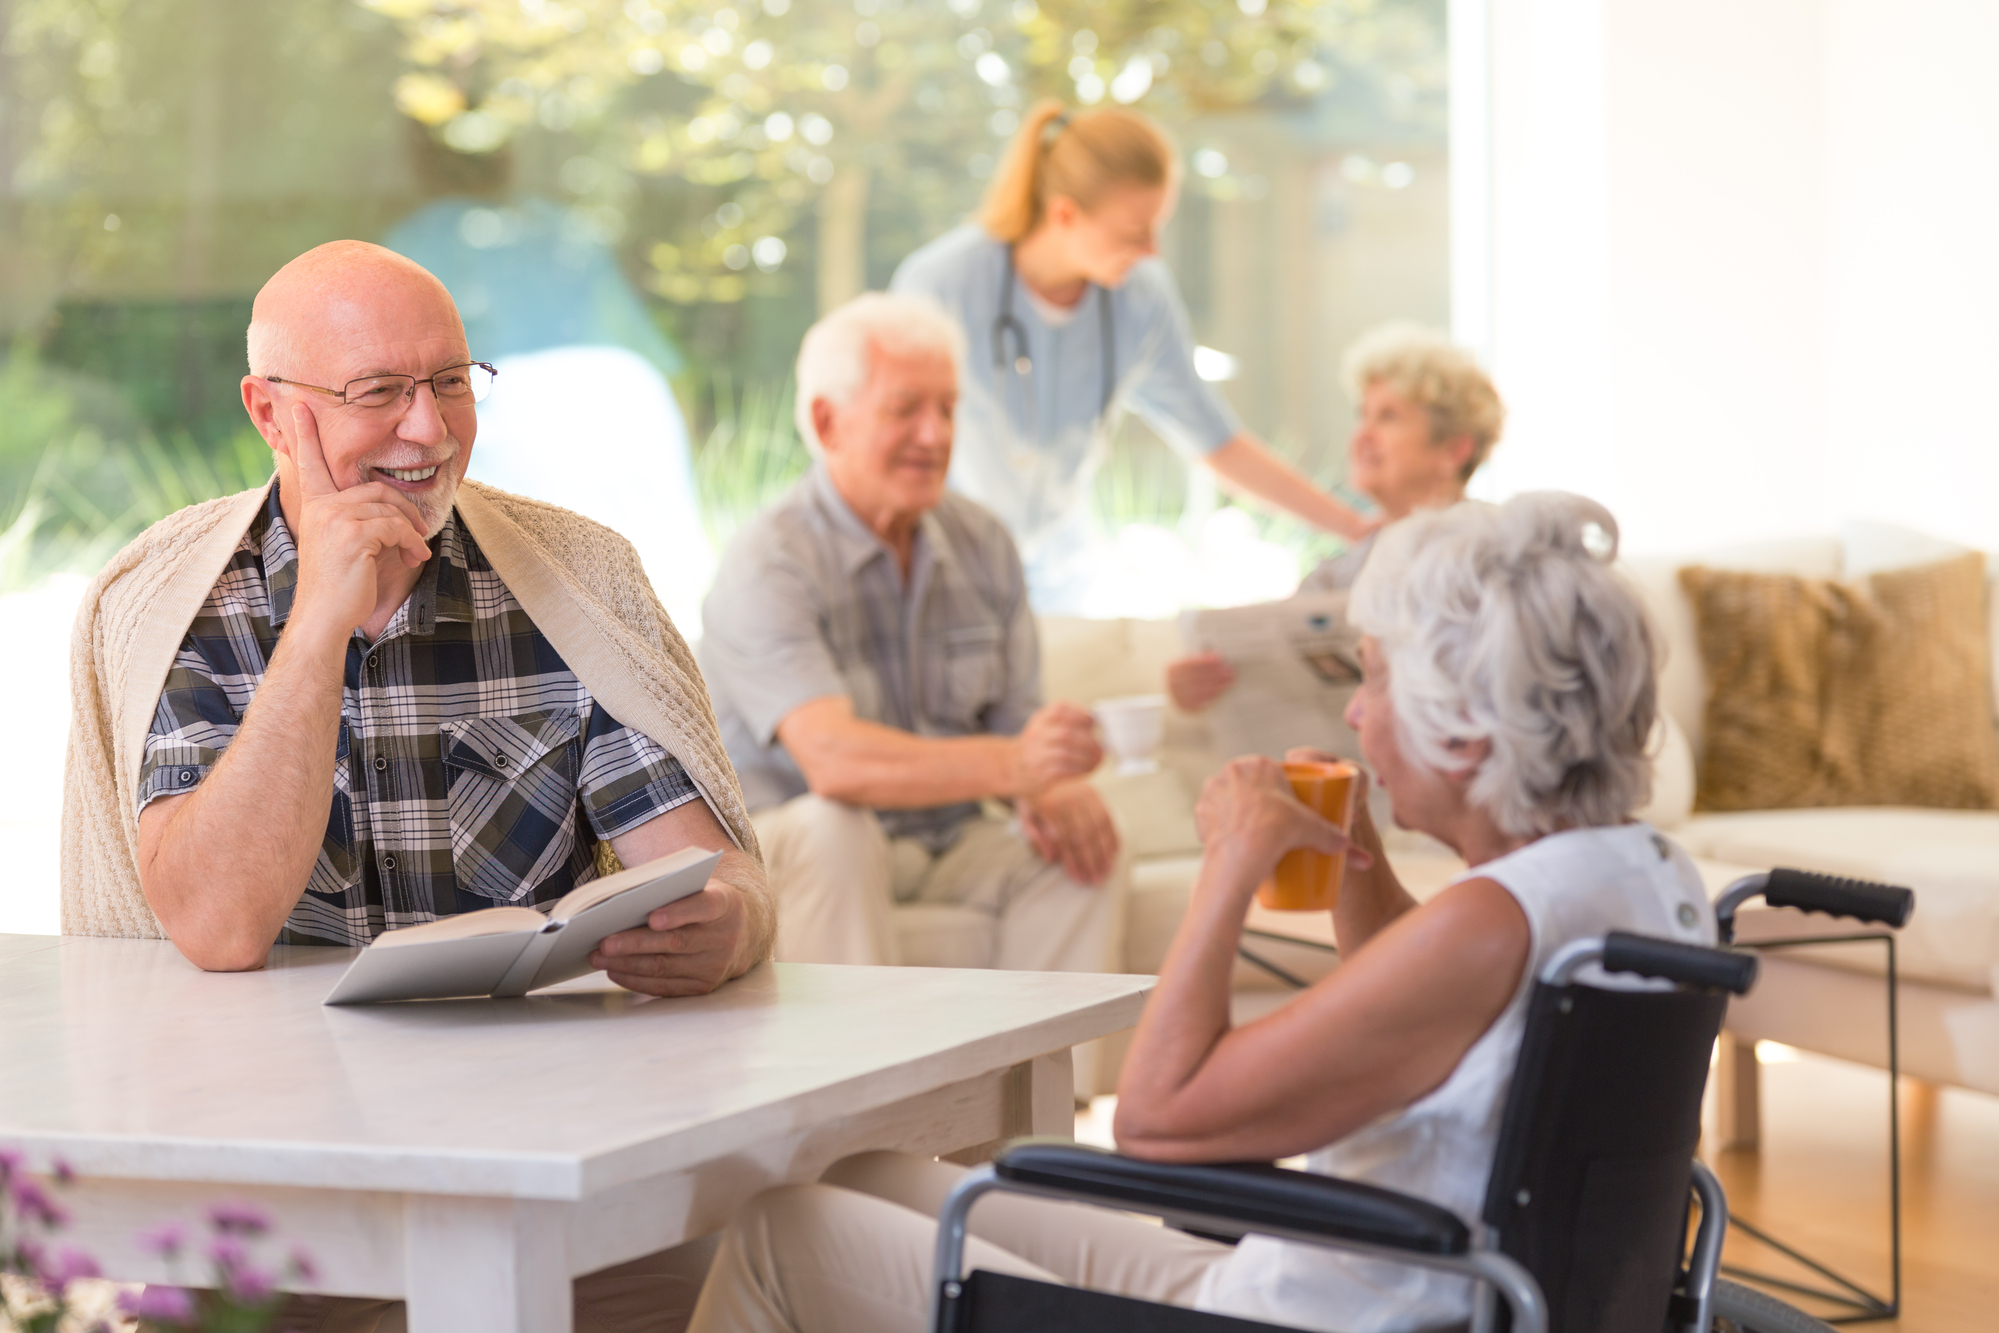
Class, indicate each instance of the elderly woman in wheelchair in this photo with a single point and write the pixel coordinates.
(1509, 695)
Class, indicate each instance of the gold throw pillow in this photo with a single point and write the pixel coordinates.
(1877, 692)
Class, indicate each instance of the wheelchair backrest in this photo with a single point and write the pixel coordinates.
(1589, 1186)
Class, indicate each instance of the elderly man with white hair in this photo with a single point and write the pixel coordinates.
(877, 677)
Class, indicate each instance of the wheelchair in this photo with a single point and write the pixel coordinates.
(1584, 1227)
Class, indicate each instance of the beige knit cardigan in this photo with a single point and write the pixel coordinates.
(579, 582)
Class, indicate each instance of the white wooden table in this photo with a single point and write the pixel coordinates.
(472, 1156)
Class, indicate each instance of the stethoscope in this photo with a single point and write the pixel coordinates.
(1023, 364)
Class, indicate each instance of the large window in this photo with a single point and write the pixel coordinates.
(689, 182)
(640, 205)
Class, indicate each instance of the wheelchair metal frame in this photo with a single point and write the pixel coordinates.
(1494, 1274)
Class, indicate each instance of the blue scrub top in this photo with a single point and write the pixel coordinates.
(1028, 446)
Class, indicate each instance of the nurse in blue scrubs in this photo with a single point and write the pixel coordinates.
(1070, 319)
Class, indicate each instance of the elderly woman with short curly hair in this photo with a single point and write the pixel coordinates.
(1428, 419)
(1508, 696)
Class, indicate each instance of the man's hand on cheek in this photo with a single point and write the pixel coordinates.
(685, 948)
(343, 535)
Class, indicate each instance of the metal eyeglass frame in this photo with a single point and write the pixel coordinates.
(410, 382)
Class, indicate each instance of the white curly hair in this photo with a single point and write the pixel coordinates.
(1505, 623)
(1434, 373)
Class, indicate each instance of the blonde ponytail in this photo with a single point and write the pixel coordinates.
(1089, 154)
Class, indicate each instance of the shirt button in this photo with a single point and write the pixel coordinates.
(499, 761)
(374, 661)
(389, 862)
(381, 764)
(186, 776)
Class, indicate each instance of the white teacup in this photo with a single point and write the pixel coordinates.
(1133, 728)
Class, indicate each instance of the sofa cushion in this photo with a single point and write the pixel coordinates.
(1682, 682)
(1949, 857)
(1868, 547)
(1825, 693)
(1154, 812)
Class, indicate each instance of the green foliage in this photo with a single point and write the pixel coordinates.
(789, 108)
(748, 457)
(79, 477)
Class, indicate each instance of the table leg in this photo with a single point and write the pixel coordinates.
(1047, 1102)
(496, 1265)
(1737, 1084)
(1037, 1096)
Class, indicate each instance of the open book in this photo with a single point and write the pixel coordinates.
(508, 951)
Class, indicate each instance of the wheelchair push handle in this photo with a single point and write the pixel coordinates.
(1688, 964)
(1835, 895)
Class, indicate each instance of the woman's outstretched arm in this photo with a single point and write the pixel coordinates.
(1247, 465)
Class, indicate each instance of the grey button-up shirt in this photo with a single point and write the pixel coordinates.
(809, 603)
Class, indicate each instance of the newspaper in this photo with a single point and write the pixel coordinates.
(1297, 663)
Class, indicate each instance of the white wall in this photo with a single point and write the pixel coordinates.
(1912, 247)
(1743, 269)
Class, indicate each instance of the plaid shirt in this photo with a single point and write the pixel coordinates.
(466, 750)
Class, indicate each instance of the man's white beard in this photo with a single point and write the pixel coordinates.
(435, 510)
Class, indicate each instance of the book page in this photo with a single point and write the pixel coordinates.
(586, 896)
(466, 925)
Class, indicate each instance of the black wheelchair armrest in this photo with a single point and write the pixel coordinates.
(1251, 1195)
(1809, 891)
(1688, 964)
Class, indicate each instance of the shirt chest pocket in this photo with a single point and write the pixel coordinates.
(510, 792)
(964, 674)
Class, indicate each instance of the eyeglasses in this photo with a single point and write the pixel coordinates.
(470, 382)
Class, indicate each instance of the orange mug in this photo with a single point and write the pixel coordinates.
(1305, 880)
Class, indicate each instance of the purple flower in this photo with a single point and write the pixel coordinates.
(35, 1206)
(65, 1173)
(238, 1219)
(10, 1162)
(68, 1266)
(166, 1305)
(165, 1240)
(302, 1266)
(248, 1284)
(228, 1254)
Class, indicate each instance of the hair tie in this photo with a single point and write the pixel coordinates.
(1597, 541)
(1060, 120)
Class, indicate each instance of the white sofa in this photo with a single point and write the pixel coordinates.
(1829, 1001)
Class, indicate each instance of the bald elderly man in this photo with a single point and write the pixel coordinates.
(372, 694)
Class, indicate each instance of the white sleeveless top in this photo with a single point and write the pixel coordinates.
(1571, 886)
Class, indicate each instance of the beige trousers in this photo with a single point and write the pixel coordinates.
(853, 1254)
(838, 878)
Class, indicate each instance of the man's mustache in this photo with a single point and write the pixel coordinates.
(387, 460)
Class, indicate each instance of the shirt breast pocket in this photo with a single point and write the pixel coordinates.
(510, 792)
(966, 674)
